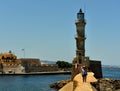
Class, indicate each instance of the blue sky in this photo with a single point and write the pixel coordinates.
(46, 29)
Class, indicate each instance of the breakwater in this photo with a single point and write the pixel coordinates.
(42, 73)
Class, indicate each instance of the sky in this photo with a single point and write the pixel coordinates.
(46, 29)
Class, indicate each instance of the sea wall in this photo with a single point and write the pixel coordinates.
(103, 84)
(1, 68)
(46, 68)
(34, 65)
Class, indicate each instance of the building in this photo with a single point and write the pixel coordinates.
(9, 64)
(81, 59)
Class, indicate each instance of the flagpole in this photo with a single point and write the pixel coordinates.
(23, 52)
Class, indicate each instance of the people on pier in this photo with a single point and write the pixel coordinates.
(84, 73)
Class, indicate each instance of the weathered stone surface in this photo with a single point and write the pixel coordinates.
(34, 65)
(107, 84)
(59, 84)
(103, 84)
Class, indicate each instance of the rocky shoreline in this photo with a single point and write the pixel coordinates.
(103, 84)
(107, 84)
(60, 84)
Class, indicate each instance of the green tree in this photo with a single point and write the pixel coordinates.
(63, 64)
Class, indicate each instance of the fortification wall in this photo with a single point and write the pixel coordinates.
(13, 69)
(96, 68)
(42, 68)
(34, 65)
(1, 68)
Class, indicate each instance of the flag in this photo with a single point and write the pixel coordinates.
(23, 49)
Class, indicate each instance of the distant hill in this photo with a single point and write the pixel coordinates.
(48, 62)
(54, 62)
(110, 66)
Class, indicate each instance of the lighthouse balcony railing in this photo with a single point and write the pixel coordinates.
(80, 37)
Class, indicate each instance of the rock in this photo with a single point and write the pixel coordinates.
(59, 84)
(107, 84)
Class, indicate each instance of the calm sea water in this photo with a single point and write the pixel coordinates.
(111, 73)
(42, 82)
(29, 83)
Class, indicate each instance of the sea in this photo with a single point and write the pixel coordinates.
(42, 82)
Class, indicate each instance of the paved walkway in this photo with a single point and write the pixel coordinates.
(80, 86)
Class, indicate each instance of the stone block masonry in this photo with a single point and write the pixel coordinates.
(96, 68)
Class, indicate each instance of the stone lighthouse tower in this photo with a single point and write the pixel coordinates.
(80, 59)
(80, 36)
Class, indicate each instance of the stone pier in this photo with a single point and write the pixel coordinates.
(77, 84)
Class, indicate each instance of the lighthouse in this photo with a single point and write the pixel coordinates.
(80, 58)
(80, 36)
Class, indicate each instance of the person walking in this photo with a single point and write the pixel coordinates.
(84, 73)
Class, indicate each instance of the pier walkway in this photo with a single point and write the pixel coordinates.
(79, 85)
